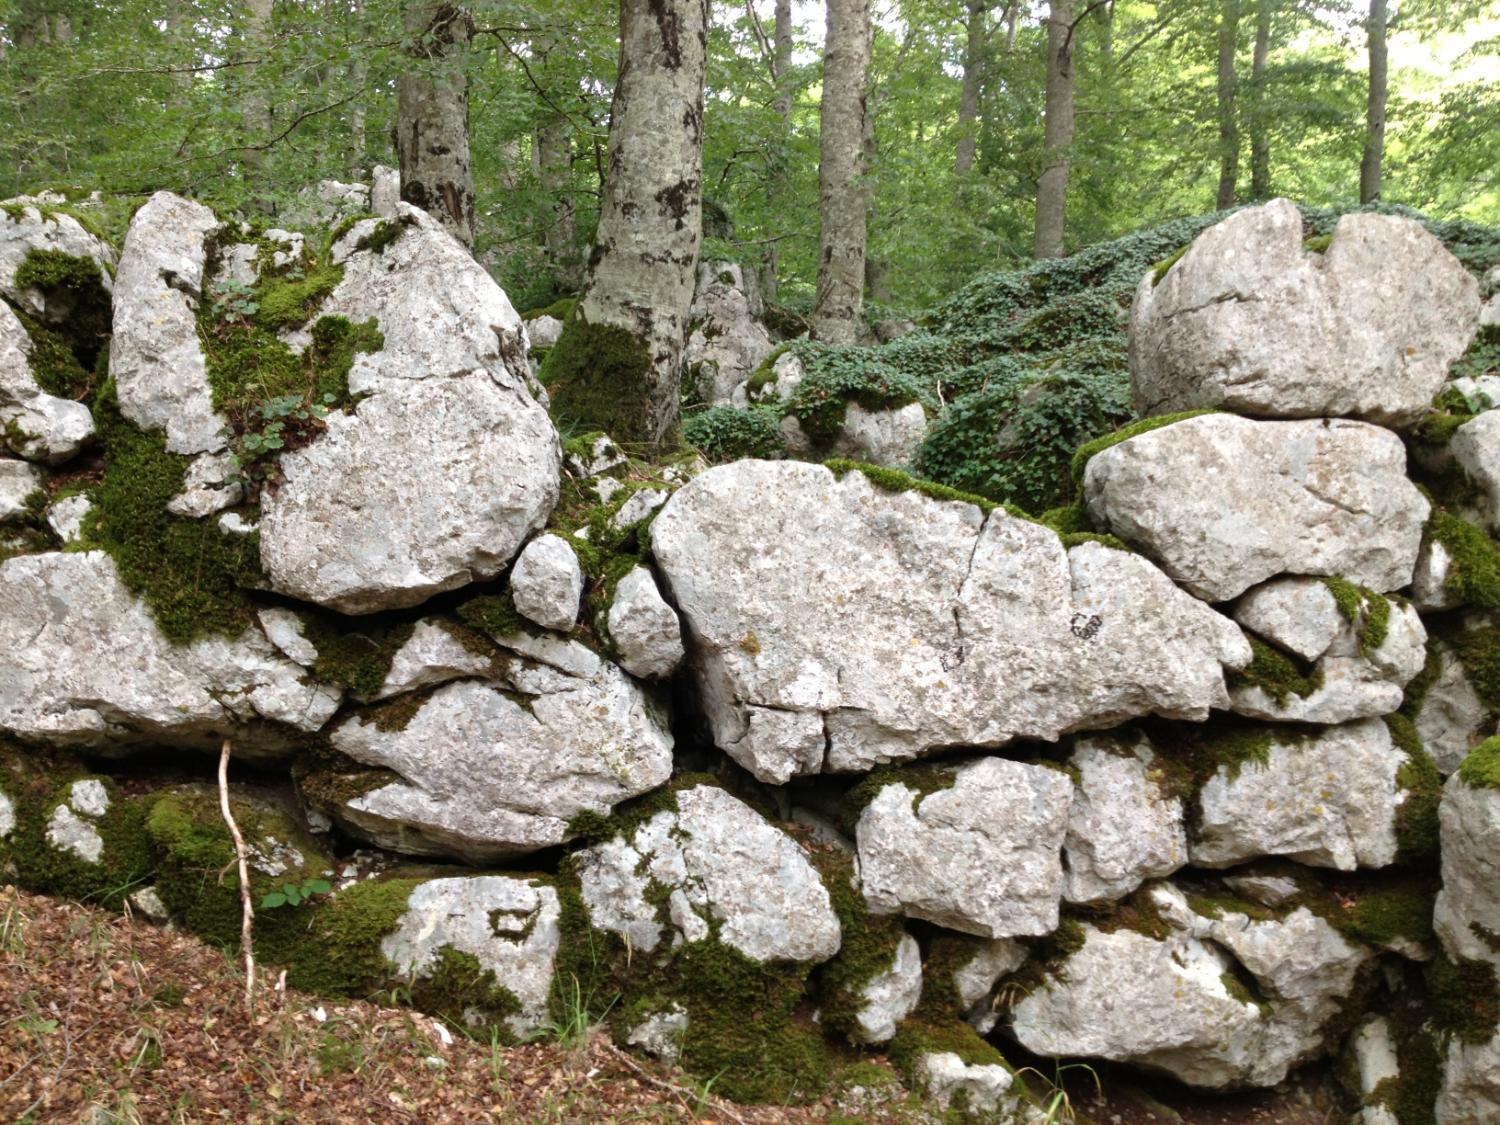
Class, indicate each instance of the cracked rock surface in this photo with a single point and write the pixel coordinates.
(836, 626)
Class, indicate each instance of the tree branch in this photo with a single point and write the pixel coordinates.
(247, 911)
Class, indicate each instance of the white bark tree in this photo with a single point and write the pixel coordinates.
(841, 173)
(1052, 185)
(432, 115)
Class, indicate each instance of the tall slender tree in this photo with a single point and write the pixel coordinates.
(1229, 130)
(976, 41)
(432, 115)
(842, 192)
(777, 183)
(1057, 144)
(1370, 166)
(1260, 124)
(618, 364)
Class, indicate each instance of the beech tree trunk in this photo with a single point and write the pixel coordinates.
(1370, 166)
(432, 116)
(1229, 130)
(1052, 185)
(618, 365)
(841, 172)
(554, 158)
(1260, 127)
(975, 36)
(781, 65)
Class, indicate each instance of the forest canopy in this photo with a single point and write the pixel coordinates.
(242, 105)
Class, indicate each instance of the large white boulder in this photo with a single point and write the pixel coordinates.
(836, 626)
(1182, 1003)
(1224, 503)
(982, 855)
(154, 356)
(1325, 797)
(726, 340)
(33, 423)
(1250, 321)
(27, 227)
(437, 478)
(725, 872)
(484, 771)
(61, 613)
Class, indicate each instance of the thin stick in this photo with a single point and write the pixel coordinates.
(247, 912)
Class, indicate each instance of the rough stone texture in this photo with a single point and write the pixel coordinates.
(948, 858)
(944, 1077)
(432, 655)
(1470, 898)
(660, 1034)
(70, 828)
(32, 229)
(438, 477)
(284, 628)
(7, 815)
(1166, 1005)
(154, 355)
(1123, 827)
(1374, 1054)
(1224, 503)
(1249, 321)
(479, 776)
(385, 191)
(1476, 447)
(836, 626)
(426, 487)
(721, 862)
(1300, 615)
(34, 424)
(875, 437)
(206, 487)
(59, 612)
(638, 506)
(1327, 798)
(1453, 719)
(66, 517)
(148, 904)
(1471, 1083)
(1429, 583)
(1357, 681)
(644, 628)
(509, 925)
(726, 340)
(890, 996)
(602, 456)
(547, 583)
(544, 331)
(976, 978)
(18, 480)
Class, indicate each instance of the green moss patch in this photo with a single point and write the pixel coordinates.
(75, 283)
(1481, 768)
(560, 309)
(1163, 267)
(600, 377)
(1417, 815)
(1479, 651)
(1474, 566)
(55, 365)
(894, 480)
(189, 572)
(354, 654)
(869, 946)
(1369, 612)
(1090, 450)
(1276, 674)
(1465, 998)
(338, 953)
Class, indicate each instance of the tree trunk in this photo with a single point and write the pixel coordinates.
(841, 171)
(975, 36)
(1229, 130)
(432, 116)
(1052, 186)
(359, 75)
(618, 365)
(781, 65)
(1369, 167)
(1012, 15)
(1260, 127)
(555, 155)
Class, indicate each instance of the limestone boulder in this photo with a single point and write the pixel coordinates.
(434, 654)
(887, 437)
(981, 853)
(154, 355)
(1452, 719)
(1471, 1083)
(59, 612)
(891, 995)
(1352, 676)
(1250, 320)
(1182, 1003)
(1476, 448)
(18, 482)
(1125, 825)
(836, 626)
(726, 340)
(34, 424)
(1325, 797)
(975, 979)
(26, 228)
(485, 770)
(1224, 503)
(724, 872)
(547, 583)
(644, 628)
(981, 1088)
(508, 925)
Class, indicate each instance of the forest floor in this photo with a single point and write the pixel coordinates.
(105, 1018)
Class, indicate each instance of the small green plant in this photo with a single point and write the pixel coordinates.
(293, 894)
(575, 1018)
(233, 300)
(278, 424)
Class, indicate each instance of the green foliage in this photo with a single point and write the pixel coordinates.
(728, 433)
(1481, 768)
(295, 894)
(1479, 650)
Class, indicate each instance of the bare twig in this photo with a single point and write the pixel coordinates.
(721, 1108)
(247, 911)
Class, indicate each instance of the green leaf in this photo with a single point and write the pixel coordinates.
(273, 900)
(318, 887)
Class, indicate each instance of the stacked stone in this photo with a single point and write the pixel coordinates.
(1106, 794)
